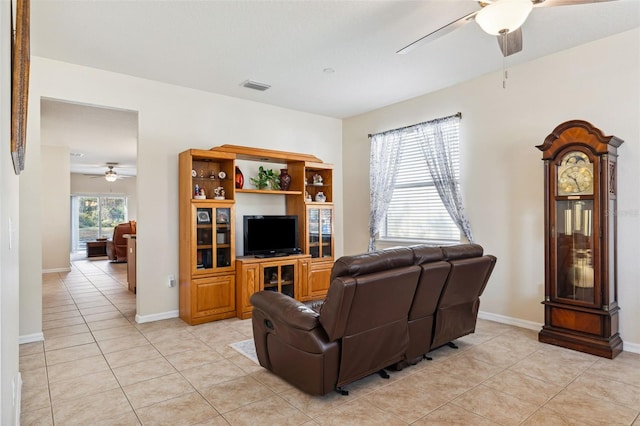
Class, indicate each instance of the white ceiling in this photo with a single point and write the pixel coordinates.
(216, 45)
(94, 135)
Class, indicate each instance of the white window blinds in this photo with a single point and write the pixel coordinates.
(416, 212)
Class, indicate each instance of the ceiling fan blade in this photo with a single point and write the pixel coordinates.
(446, 29)
(550, 3)
(512, 44)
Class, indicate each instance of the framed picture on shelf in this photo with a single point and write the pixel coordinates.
(203, 217)
(223, 217)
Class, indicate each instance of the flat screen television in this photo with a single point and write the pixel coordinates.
(266, 236)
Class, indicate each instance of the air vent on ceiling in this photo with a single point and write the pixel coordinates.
(250, 84)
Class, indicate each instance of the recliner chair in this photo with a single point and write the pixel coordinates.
(457, 311)
(117, 246)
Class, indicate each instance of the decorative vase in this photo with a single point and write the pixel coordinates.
(285, 179)
(239, 178)
(320, 197)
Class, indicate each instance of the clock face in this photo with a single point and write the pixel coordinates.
(575, 174)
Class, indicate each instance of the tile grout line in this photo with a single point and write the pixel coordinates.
(100, 348)
(93, 337)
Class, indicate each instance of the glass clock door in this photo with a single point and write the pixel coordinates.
(575, 251)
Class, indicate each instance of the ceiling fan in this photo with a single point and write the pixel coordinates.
(502, 18)
(111, 175)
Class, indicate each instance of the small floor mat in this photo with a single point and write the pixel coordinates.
(246, 348)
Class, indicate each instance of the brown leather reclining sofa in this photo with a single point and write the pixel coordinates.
(385, 308)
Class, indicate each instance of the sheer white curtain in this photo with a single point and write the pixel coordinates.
(435, 147)
(385, 149)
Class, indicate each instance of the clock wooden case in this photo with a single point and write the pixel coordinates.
(581, 301)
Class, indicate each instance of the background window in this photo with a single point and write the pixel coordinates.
(416, 212)
(95, 216)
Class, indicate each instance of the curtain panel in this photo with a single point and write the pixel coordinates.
(436, 145)
(383, 161)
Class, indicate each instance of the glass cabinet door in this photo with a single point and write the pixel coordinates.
(314, 232)
(223, 237)
(213, 238)
(326, 231)
(575, 250)
(279, 278)
(320, 231)
(287, 279)
(204, 238)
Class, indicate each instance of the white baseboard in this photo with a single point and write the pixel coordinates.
(531, 325)
(30, 338)
(49, 271)
(502, 319)
(631, 347)
(140, 319)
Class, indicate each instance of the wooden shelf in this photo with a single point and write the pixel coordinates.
(211, 200)
(267, 155)
(269, 191)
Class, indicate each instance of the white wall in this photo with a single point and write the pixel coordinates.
(54, 191)
(90, 185)
(171, 119)
(9, 237)
(502, 177)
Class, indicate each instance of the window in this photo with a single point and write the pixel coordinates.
(95, 216)
(416, 212)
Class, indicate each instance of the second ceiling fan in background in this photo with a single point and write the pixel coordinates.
(502, 18)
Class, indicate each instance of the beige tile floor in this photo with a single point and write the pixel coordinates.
(98, 367)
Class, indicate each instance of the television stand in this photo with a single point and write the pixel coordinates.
(287, 275)
(266, 256)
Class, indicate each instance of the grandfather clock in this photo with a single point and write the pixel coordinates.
(581, 300)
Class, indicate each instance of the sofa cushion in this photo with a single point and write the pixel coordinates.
(461, 251)
(368, 263)
(425, 254)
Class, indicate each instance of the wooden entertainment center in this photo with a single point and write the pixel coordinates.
(214, 283)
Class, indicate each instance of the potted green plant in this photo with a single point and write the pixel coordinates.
(266, 178)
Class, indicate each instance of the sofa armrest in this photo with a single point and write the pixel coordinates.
(285, 310)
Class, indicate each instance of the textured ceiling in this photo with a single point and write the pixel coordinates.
(216, 45)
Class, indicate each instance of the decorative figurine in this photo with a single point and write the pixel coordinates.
(198, 193)
(317, 179)
(219, 193)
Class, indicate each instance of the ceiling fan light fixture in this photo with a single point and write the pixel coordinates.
(503, 16)
(110, 176)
